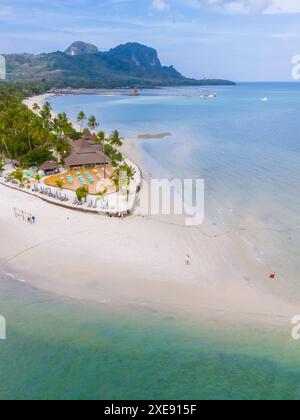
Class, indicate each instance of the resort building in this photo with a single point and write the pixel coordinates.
(50, 168)
(85, 153)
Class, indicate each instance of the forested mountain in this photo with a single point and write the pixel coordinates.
(82, 65)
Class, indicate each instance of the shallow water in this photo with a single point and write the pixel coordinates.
(246, 150)
(248, 153)
(66, 349)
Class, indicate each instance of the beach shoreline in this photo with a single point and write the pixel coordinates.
(136, 261)
(95, 258)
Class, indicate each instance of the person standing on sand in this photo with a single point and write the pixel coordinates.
(188, 260)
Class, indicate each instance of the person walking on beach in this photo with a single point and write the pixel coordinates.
(188, 260)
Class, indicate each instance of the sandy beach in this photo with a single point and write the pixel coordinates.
(39, 99)
(139, 260)
(133, 261)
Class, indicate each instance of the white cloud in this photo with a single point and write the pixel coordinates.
(160, 5)
(249, 6)
(285, 6)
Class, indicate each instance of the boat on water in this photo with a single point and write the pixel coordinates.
(208, 95)
(264, 99)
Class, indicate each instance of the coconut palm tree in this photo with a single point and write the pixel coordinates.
(123, 174)
(116, 181)
(36, 107)
(127, 193)
(101, 195)
(22, 123)
(81, 117)
(115, 139)
(38, 178)
(130, 172)
(4, 143)
(92, 123)
(46, 114)
(60, 124)
(2, 165)
(18, 176)
(37, 131)
(82, 193)
(60, 183)
(101, 139)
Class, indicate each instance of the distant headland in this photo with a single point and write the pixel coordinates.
(83, 65)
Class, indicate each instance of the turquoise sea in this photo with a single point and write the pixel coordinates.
(64, 349)
(248, 153)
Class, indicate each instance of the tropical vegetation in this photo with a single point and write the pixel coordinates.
(30, 137)
(82, 193)
(34, 137)
(123, 175)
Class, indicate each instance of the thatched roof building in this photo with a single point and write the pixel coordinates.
(85, 153)
(50, 167)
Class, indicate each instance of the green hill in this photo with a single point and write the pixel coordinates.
(83, 65)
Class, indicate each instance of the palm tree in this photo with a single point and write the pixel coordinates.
(123, 174)
(130, 172)
(116, 181)
(82, 193)
(46, 114)
(22, 123)
(3, 141)
(36, 107)
(102, 194)
(18, 176)
(37, 131)
(92, 123)
(115, 139)
(38, 177)
(28, 132)
(60, 124)
(127, 193)
(101, 137)
(60, 183)
(2, 165)
(81, 117)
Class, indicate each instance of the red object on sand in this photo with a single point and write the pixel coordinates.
(272, 276)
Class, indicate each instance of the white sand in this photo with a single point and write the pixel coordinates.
(137, 260)
(39, 99)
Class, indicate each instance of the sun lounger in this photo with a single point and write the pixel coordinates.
(70, 179)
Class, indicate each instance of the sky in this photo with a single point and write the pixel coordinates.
(240, 40)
